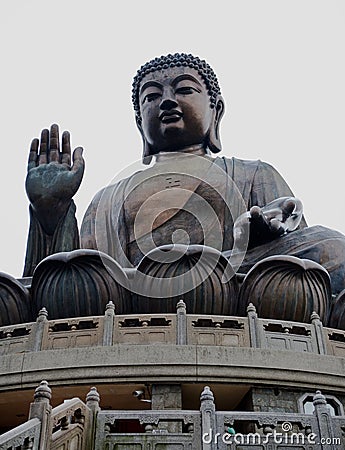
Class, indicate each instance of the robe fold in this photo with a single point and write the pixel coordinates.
(127, 219)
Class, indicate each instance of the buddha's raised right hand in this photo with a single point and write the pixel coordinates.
(51, 180)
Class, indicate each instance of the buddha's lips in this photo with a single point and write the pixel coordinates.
(170, 116)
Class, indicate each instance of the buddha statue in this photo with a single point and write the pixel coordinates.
(186, 199)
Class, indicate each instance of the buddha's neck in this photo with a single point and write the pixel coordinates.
(193, 150)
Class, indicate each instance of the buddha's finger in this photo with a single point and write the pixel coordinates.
(66, 148)
(255, 212)
(43, 157)
(54, 145)
(33, 154)
(78, 161)
(277, 227)
(288, 207)
(257, 217)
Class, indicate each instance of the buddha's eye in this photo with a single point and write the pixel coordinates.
(186, 90)
(151, 96)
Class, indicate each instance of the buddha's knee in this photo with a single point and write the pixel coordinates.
(287, 288)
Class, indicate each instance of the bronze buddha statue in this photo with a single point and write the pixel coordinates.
(187, 197)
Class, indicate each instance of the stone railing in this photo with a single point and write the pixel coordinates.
(78, 426)
(274, 430)
(209, 429)
(156, 428)
(66, 427)
(23, 437)
(180, 329)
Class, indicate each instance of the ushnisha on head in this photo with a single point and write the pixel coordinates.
(178, 105)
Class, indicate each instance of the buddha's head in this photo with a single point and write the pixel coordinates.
(178, 105)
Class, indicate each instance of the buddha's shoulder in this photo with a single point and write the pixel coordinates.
(249, 164)
(115, 188)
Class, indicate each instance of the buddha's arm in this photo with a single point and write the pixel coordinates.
(88, 227)
(268, 186)
(273, 210)
(50, 185)
(41, 244)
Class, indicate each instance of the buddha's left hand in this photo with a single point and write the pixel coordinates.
(271, 221)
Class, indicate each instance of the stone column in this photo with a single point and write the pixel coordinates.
(38, 330)
(320, 338)
(109, 324)
(167, 396)
(257, 339)
(92, 402)
(41, 409)
(324, 420)
(208, 419)
(181, 323)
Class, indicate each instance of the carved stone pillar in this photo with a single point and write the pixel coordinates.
(41, 409)
(208, 419)
(167, 396)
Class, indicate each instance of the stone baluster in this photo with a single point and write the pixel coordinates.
(41, 409)
(181, 323)
(28, 444)
(109, 324)
(319, 334)
(324, 421)
(208, 419)
(35, 342)
(92, 402)
(257, 339)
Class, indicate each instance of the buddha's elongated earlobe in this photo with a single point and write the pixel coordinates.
(146, 157)
(214, 142)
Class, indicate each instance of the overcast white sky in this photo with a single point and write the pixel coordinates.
(280, 65)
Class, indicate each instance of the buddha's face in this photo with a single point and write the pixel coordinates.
(175, 109)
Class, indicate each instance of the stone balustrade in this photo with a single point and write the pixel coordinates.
(68, 426)
(23, 437)
(79, 426)
(180, 329)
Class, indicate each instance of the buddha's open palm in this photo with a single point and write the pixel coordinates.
(265, 224)
(51, 180)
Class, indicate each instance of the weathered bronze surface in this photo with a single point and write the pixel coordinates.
(78, 283)
(241, 208)
(15, 304)
(286, 286)
(337, 313)
(202, 275)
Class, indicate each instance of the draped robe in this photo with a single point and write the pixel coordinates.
(203, 199)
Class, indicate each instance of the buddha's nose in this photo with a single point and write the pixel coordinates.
(168, 102)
